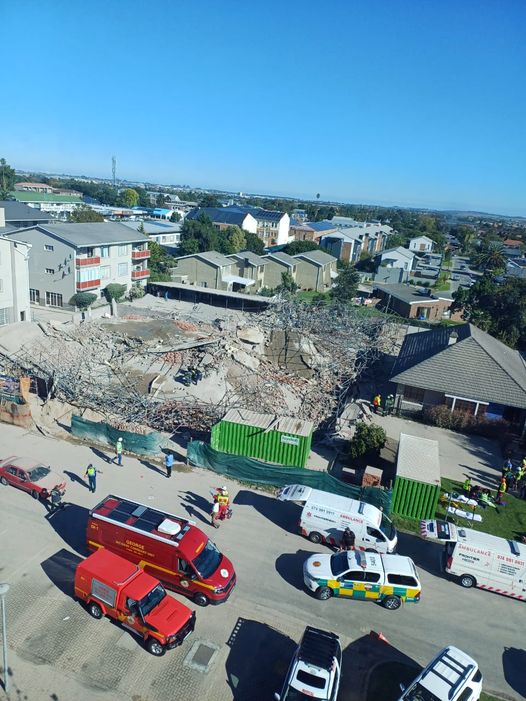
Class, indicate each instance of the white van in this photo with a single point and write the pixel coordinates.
(479, 559)
(325, 516)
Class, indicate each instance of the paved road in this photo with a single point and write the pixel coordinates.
(57, 648)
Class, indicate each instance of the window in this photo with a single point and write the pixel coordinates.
(123, 250)
(48, 247)
(105, 272)
(104, 251)
(88, 274)
(374, 533)
(414, 394)
(53, 299)
(4, 316)
(403, 580)
(1, 285)
(34, 296)
(123, 269)
(50, 271)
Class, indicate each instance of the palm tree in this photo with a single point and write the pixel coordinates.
(492, 257)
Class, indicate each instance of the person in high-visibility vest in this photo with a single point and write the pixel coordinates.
(118, 451)
(377, 402)
(91, 474)
(221, 505)
(467, 485)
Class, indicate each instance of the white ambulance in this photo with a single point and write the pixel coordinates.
(325, 516)
(479, 559)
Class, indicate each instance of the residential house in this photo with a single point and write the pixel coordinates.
(14, 280)
(322, 228)
(251, 266)
(373, 235)
(421, 244)
(58, 205)
(315, 270)
(164, 233)
(464, 368)
(15, 215)
(302, 232)
(213, 270)
(345, 245)
(277, 264)
(34, 187)
(516, 268)
(415, 302)
(272, 227)
(299, 215)
(398, 257)
(513, 243)
(67, 258)
(223, 217)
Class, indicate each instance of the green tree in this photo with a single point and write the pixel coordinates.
(83, 213)
(300, 247)
(160, 200)
(346, 285)
(114, 291)
(236, 238)
(188, 247)
(208, 200)
(254, 243)
(203, 231)
(129, 197)
(466, 236)
(368, 438)
(144, 197)
(82, 300)
(288, 286)
(160, 262)
(136, 292)
(7, 179)
(175, 217)
(491, 257)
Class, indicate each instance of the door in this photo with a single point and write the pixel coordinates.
(25, 482)
(12, 476)
(519, 584)
(359, 584)
(375, 540)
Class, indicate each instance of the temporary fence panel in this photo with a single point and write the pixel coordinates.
(415, 499)
(256, 472)
(101, 432)
(279, 440)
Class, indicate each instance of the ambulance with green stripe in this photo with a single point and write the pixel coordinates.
(388, 579)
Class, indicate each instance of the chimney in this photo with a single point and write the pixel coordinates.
(453, 338)
(2, 217)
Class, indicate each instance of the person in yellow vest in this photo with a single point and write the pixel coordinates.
(377, 403)
(91, 474)
(221, 505)
(467, 486)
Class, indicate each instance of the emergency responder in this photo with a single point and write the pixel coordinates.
(221, 505)
(377, 403)
(467, 485)
(348, 539)
(91, 474)
(118, 451)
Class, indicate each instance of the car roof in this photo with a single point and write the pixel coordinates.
(318, 647)
(399, 564)
(448, 672)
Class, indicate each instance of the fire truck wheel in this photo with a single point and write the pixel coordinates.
(201, 599)
(3, 481)
(155, 648)
(95, 610)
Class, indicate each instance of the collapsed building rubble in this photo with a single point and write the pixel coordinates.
(167, 371)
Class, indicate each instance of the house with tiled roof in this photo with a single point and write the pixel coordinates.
(465, 369)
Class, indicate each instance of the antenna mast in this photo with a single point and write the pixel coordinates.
(114, 170)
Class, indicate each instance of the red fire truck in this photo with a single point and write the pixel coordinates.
(168, 547)
(112, 586)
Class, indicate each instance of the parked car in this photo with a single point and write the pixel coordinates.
(39, 480)
(450, 676)
(315, 669)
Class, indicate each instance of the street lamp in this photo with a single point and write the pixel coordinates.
(4, 588)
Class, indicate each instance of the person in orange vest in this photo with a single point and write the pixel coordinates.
(377, 403)
(501, 490)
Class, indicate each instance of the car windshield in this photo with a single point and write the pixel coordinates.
(387, 527)
(151, 600)
(339, 563)
(38, 473)
(418, 693)
(207, 562)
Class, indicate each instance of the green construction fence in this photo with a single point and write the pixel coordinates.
(256, 472)
(101, 432)
(415, 499)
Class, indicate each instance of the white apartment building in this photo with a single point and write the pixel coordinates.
(14, 281)
(67, 258)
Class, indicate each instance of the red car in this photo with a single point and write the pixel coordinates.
(33, 477)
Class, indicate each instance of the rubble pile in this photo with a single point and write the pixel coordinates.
(164, 372)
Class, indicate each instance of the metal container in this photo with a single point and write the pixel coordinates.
(415, 499)
(275, 439)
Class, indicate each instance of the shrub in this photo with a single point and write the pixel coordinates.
(114, 291)
(136, 292)
(368, 438)
(463, 422)
(82, 300)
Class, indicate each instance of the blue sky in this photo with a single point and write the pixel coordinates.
(416, 102)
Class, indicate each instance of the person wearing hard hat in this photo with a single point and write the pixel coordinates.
(118, 451)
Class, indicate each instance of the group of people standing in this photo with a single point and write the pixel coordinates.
(389, 404)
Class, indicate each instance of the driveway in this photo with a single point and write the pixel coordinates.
(56, 650)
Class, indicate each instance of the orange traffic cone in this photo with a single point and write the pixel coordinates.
(382, 637)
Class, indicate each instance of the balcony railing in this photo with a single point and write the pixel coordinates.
(94, 260)
(140, 274)
(87, 285)
(140, 255)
